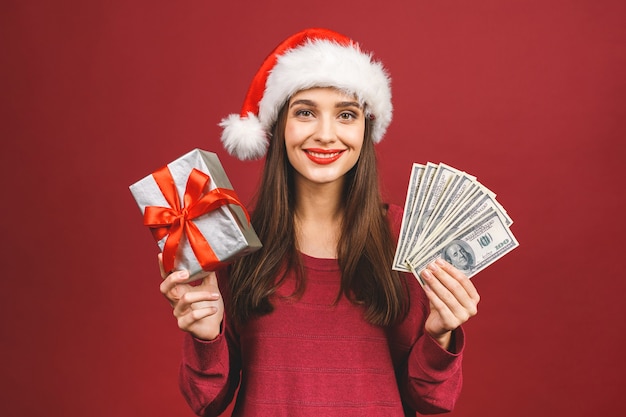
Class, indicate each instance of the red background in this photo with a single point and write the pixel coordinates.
(529, 96)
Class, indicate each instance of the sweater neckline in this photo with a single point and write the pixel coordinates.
(319, 264)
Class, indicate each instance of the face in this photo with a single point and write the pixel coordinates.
(323, 135)
(458, 257)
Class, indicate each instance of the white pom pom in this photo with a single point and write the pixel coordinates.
(244, 138)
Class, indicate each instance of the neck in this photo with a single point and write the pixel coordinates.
(319, 202)
(318, 217)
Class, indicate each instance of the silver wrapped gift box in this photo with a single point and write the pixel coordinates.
(220, 230)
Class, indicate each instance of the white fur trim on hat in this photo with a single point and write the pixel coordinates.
(244, 137)
(322, 63)
(308, 59)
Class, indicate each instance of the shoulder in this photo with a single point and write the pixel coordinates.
(394, 216)
(394, 211)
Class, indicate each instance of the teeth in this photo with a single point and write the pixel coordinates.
(324, 155)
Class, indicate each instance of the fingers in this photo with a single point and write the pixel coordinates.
(194, 306)
(187, 321)
(183, 296)
(198, 305)
(171, 286)
(196, 300)
(450, 283)
(451, 293)
(461, 278)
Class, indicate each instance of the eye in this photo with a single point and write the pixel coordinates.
(346, 115)
(304, 113)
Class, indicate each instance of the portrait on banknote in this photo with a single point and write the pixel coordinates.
(460, 255)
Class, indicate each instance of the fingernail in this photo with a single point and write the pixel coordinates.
(433, 266)
(422, 278)
(440, 261)
(183, 274)
(427, 274)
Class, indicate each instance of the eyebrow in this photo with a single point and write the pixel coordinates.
(338, 105)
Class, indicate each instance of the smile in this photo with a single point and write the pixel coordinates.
(323, 156)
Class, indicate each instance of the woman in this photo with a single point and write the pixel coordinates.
(316, 323)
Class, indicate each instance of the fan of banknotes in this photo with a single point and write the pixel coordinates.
(449, 214)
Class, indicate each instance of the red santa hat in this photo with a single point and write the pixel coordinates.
(310, 58)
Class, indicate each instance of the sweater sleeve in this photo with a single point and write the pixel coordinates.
(433, 375)
(429, 377)
(210, 371)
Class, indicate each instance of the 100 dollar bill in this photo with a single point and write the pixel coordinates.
(474, 248)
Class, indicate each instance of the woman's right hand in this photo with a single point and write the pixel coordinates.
(199, 309)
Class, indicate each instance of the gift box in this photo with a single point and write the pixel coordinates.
(194, 214)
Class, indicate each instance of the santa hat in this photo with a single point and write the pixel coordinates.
(310, 58)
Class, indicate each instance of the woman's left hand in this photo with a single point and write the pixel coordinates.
(453, 300)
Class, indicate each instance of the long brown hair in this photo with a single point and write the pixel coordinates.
(365, 249)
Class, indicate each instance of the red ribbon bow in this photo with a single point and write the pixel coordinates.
(175, 220)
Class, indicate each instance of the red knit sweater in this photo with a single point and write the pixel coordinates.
(312, 357)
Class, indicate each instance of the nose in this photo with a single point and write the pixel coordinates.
(326, 130)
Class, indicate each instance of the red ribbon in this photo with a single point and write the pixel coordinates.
(175, 220)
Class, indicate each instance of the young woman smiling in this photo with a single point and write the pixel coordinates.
(316, 322)
(323, 135)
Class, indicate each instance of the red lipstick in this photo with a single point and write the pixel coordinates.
(323, 156)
